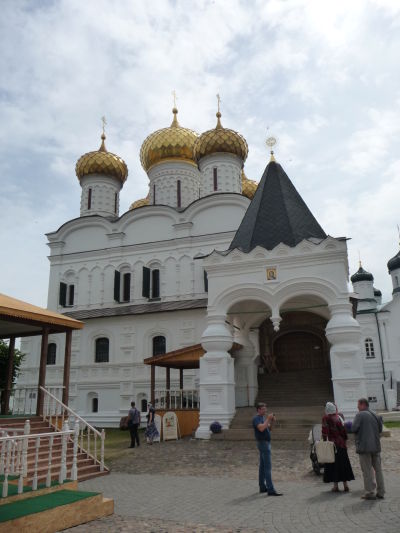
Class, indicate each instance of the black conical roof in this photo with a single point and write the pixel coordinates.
(277, 214)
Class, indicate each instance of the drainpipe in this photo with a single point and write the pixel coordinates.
(380, 345)
(383, 364)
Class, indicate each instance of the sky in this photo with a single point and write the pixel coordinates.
(322, 77)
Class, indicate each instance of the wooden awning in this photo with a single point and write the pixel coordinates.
(188, 357)
(19, 319)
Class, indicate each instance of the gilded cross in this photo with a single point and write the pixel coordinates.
(103, 119)
(219, 102)
(174, 96)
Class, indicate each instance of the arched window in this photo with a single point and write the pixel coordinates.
(95, 405)
(143, 405)
(159, 345)
(102, 350)
(51, 353)
(369, 348)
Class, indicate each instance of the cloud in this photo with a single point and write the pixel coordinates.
(320, 76)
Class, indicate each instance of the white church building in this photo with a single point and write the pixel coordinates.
(210, 258)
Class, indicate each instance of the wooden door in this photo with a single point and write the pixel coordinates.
(299, 351)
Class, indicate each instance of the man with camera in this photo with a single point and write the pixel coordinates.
(262, 425)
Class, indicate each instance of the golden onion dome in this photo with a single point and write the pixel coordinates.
(221, 139)
(139, 203)
(174, 143)
(249, 187)
(102, 162)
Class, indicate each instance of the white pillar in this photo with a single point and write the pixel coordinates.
(246, 383)
(343, 333)
(217, 383)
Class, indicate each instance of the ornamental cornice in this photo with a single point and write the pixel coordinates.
(126, 249)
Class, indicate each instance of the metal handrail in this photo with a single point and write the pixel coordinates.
(78, 420)
(69, 410)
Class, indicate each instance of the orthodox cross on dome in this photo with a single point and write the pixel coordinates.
(103, 120)
(103, 135)
(219, 103)
(271, 142)
(174, 97)
(398, 231)
(219, 125)
(359, 259)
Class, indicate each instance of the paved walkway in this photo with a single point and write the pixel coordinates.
(220, 494)
(171, 503)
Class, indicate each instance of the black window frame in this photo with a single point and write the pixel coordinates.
(95, 404)
(159, 345)
(215, 176)
(102, 355)
(51, 353)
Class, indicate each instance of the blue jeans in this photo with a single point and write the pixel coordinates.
(264, 470)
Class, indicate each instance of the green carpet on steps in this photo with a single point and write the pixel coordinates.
(9, 477)
(11, 511)
(13, 489)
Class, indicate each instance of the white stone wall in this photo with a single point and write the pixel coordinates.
(104, 189)
(229, 169)
(124, 378)
(86, 252)
(165, 176)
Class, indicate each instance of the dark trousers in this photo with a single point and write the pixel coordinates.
(133, 430)
(264, 469)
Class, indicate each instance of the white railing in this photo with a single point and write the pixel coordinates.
(55, 412)
(23, 400)
(14, 456)
(176, 399)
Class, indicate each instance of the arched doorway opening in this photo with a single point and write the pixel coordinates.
(295, 360)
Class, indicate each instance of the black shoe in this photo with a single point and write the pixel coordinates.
(380, 496)
(275, 493)
(263, 490)
(131, 446)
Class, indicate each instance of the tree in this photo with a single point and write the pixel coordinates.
(18, 357)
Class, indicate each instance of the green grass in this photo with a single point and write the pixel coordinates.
(117, 441)
(392, 424)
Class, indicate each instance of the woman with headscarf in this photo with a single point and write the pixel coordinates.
(333, 430)
(151, 432)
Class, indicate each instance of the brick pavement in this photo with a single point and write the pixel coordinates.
(157, 502)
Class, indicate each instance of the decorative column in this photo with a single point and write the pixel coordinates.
(246, 384)
(67, 366)
(152, 384)
(42, 371)
(10, 366)
(217, 382)
(343, 333)
(168, 385)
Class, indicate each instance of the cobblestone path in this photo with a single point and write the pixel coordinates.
(194, 486)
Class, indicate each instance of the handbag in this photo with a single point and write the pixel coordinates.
(124, 423)
(325, 450)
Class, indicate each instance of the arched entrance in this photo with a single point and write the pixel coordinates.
(295, 361)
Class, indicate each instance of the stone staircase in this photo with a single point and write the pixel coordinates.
(87, 466)
(296, 398)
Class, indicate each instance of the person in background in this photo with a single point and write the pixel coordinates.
(333, 430)
(367, 428)
(134, 424)
(151, 430)
(262, 425)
